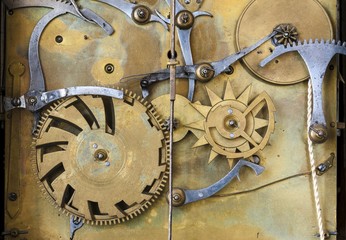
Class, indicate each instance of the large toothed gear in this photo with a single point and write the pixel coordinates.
(233, 126)
(102, 160)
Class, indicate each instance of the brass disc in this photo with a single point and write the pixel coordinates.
(259, 19)
(101, 159)
(235, 127)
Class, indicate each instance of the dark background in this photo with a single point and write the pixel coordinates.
(341, 213)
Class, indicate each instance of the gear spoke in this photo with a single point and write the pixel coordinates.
(83, 165)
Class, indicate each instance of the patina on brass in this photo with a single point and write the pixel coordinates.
(92, 163)
(204, 72)
(277, 205)
(262, 16)
(235, 127)
(185, 19)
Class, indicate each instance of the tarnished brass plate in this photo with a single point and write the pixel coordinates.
(260, 17)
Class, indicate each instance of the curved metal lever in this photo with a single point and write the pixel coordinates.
(140, 14)
(185, 24)
(316, 55)
(202, 72)
(184, 196)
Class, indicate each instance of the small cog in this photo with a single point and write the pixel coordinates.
(233, 126)
(102, 160)
(287, 34)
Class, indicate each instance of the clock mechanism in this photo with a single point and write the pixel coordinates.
(186, 119)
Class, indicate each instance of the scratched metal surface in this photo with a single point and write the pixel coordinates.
(281, 210)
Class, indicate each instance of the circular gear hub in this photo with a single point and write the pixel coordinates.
(101, 159)
(234, 126)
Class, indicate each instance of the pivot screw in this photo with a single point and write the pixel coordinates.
(12, 196)
(109, 68)
(16, 102)
(141, 14)
(59, 39)
(185, 19)
(32, 100)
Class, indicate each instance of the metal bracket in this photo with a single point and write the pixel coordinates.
(75, 224)
(325, 166)
(14, 232)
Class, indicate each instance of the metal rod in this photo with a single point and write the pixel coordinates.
(172, 67)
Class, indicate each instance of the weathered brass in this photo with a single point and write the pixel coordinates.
(318, 133)
(277, 205)
(141, 14)
(88, 148)
(184, 114)
(185, 19)
(261, 16)
(204, 72)
(234, 126)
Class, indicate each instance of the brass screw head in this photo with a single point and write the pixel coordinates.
(141, 14)
(185, 19)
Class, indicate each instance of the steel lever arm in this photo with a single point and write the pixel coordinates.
(185, 196)
(316, 56)
(202, 72)
(140, 14)
(185, 21)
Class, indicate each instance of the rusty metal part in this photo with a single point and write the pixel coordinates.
(84, 151)
(184, 113)
(287, 35)
(313, 23)
(234, 126)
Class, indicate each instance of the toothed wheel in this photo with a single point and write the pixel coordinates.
(234, 126)
(287, 34)
(103, 160)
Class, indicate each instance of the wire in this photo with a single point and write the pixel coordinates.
(262, 186)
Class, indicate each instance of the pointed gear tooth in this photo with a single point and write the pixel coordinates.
(311, 41)
(328, 41)
(333, 41)
(339, 43)
(344, 44)
(57, 109)
(322, 41)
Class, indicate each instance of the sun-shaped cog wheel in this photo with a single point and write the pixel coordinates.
(234, 126)
(101, 159)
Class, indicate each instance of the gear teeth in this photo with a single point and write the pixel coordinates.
(157, 121)
(339, 43)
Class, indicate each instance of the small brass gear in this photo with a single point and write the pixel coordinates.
(102, 160)
(287, 34)
(234, 126)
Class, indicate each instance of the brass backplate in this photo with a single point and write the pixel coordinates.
(276, 205)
